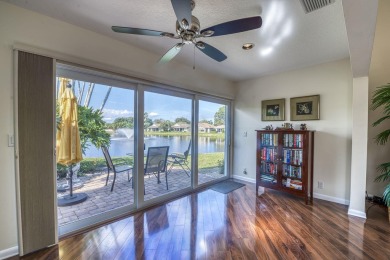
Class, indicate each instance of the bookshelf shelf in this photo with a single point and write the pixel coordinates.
(284, 161)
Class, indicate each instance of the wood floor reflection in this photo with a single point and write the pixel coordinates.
(239, 225)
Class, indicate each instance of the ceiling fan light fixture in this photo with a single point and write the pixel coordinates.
(207, 33)
(248, 46)
(184, 24)
(200, 45)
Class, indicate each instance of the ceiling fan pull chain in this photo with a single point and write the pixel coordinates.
(193, 67)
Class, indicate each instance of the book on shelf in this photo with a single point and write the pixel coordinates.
(267, 178)
(293, 184)
(268, 168)
(292, 156)
(269, 139)
(292, 171)
(293, 140)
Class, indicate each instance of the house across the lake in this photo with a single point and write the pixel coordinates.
(154, 128)
(220, 129)
(181, 127)
(205, 127)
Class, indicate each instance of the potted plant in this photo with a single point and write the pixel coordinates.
(381, 98)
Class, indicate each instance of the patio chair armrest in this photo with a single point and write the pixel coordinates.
(177, 155)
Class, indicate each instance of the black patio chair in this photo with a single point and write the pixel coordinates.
(156, 162)
(180, 159)
(115, 168)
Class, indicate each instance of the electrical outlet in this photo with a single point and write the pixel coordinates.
(245, 172)
(320, 185)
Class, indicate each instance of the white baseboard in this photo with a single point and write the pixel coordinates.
(243, 178)
(9, 252)
(357, 213)
(331, 199)
(315, 195)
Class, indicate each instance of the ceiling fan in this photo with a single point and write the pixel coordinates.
(188, 30)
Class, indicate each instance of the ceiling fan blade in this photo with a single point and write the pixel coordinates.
(211, 51)
(171, 53)
(235, 26)
(183, 11)
(138, 31)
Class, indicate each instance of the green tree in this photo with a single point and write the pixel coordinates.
(182, 120)
(158, 121)
(166, 126)
(92, 128)
(206, 121)
(123, 122)
(147, 121)
(219, 117)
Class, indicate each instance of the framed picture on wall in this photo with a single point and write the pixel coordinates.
(272, 110)
(305, 108)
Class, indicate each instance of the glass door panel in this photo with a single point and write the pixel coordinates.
(105, 119)
(211, 141)
(167, 143)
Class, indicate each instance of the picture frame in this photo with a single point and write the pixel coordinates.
(305, 108)
(273, 110)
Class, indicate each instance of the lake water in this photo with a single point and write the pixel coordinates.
(122, 146)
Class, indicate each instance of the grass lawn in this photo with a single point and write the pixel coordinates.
(90, 165)
(209, 160)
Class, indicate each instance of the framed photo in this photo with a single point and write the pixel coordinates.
(305, 108)
(272, 110)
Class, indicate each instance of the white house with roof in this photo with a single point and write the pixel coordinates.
(153, 128)
(205, 127)
(181, 127)
(220, 129)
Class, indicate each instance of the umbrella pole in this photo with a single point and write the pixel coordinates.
(71, 199)
(71, 181)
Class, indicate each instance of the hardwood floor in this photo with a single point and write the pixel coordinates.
(239, 225)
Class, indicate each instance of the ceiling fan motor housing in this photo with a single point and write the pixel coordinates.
(188, 35)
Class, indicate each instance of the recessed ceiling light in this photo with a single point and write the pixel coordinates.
(247, 46)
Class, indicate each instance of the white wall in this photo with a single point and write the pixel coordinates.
(332, 153)
(379, 75)
(21, 26)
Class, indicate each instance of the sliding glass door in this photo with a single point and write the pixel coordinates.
(213, 126)
(101, 182)
(159, 142)
(167, 143)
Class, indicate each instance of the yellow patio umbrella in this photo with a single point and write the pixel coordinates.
(61, 90)
(68, 147)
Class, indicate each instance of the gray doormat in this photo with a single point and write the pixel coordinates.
(226, 186)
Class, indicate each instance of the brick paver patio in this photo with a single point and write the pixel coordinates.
(101, 199)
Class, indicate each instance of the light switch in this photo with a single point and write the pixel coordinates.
(11, 141)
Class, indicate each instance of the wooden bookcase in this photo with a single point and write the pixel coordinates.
(284, 161)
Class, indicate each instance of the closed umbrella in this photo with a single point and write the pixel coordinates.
(61, 89)
(68, 147)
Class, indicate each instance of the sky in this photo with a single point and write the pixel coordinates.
(121, 104)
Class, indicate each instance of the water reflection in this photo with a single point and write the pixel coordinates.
(121, 146)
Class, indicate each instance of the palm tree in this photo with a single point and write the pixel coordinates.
(381, 98)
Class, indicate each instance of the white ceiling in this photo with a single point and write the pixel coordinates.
(288, 38)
